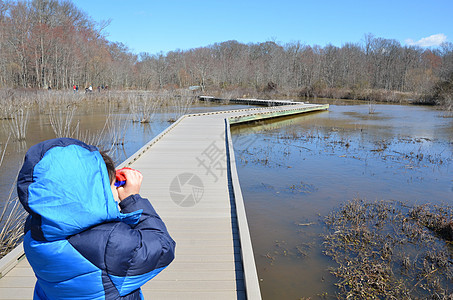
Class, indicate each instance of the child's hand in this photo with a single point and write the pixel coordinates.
(133, 183)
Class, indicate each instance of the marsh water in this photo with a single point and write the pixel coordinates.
(297, 170)
(294, 171)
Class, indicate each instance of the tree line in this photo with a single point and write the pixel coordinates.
(52, 43)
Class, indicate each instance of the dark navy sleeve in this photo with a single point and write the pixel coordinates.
(27, 225)
(140, 249)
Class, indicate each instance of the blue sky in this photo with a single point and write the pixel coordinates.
(164, 25)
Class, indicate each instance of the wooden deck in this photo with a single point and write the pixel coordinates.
(190, 177)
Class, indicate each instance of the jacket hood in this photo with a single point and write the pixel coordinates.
(65, 187)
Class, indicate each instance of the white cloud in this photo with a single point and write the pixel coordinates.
(430, 41)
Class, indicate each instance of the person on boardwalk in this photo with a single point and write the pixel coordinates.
(78, 242)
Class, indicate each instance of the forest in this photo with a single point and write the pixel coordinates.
(52, 43)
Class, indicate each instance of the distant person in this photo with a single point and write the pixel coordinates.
(77, 88)
(78, 242)
(90, 89)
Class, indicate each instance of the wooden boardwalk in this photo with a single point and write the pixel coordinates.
(251, 101)
(190, 177)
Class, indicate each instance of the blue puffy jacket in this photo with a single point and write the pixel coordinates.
(80, 245)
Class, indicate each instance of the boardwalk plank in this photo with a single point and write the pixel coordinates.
(17, 282)
(20, 293)
(199, 295)
(193, 285)
(201, 275)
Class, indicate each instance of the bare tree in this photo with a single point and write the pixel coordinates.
(53, 43)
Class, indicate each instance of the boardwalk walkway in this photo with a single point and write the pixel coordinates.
(190, 177)
(250, 101)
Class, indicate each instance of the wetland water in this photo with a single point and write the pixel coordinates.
(295, 171)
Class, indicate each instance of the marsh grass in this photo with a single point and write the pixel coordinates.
(12, 221)
(410, 152)
(109, 138)
(117, 127)
(8, 104)
(3, 150)
(179, 104)
(61, 121)
(113, 135)
(144, 106)
(371, 107)
(11, 218)
(385, 250)
(18, 124)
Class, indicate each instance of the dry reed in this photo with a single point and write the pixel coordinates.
(61, 122)
(12, 222)
(18, 124)
(143, 106)
(11, 218)
(180, 104)
(384, 250)
(3, 150)
(8, 104)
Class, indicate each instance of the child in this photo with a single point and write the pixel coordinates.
(79, 244)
